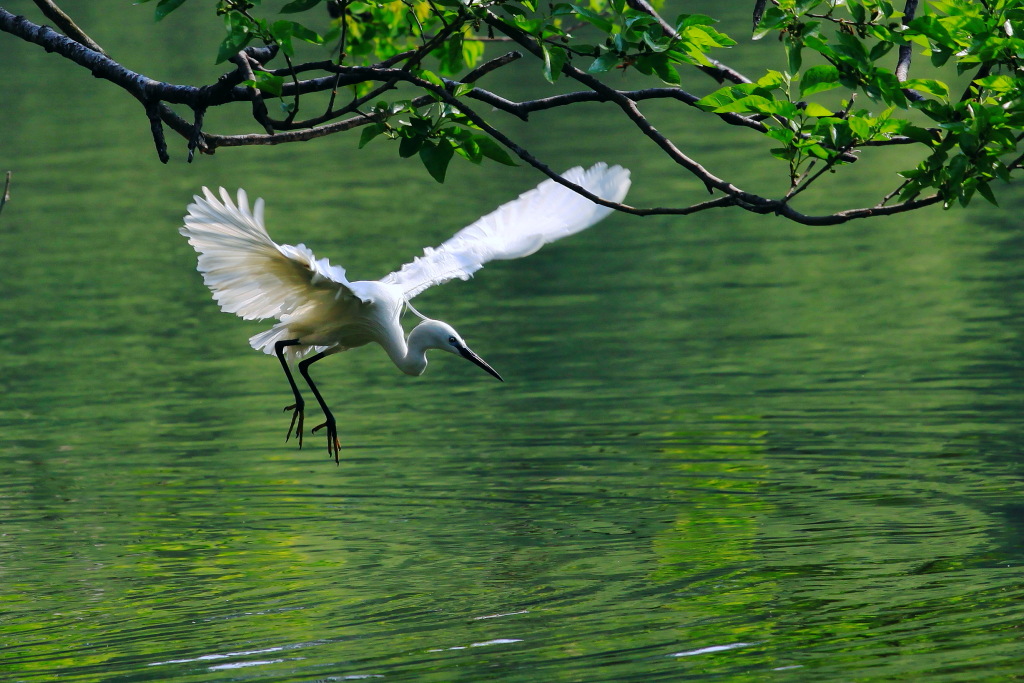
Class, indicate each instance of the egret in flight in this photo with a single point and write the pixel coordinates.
(321, 312)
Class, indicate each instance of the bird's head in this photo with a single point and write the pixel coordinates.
(434, 334)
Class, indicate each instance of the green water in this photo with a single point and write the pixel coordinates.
(728, 447)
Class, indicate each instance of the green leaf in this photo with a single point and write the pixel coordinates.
(436, 158)
(284, 29)
(918, 134)
(758, 104)
(370, 132)
(719, 98)
(666, 71)
(268, 83)
(817, 110)
(165, 7)
(531, 26)
(819, 79)
(421, 125)
(879, 50)
(306, 34)
(410, 145)
(299, 6)
(784, 135)
(818, 151)
(794, 55)
(969, 143)
(957, 168)
(593, 18)
(469, 150)
(772, 80)
(492, 150)
(656, 40)
(684, 20)
(731, 93)
(431, 77)
(773, 19)
(239, 35)
(605, 62)
(859, 127)
(852, 50)
(554, 59)
(986, 191)
(928, 85)
(1000, 83)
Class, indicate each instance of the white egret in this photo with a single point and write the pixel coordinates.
(321, 312)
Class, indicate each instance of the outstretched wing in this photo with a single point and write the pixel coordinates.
(249, 273)
(522, 226)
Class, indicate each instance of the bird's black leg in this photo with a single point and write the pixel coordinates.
(333, 446)
(299, 404)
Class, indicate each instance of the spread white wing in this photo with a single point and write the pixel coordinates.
(249, 273)
(522, 226)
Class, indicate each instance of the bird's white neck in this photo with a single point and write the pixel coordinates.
(409, 356)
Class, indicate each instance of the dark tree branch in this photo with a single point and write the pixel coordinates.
(197, 132)
(64, 23)
(490, 65)
(157, 128)
(139, 86)
(523, 109)
(758, 12)
(259, 107)
(389, 74)
(905, 53)
(851, 214)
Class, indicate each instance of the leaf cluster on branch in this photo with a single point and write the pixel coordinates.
(378, 53)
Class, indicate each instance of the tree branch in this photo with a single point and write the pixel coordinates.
(905, 53)
(141, 87)
(629, 107)
(853, 214)
(64, 23)
(329, 75)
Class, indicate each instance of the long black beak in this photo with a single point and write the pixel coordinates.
(477, 360)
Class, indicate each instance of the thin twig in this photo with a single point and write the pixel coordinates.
(896, 191)
(719, 71)
(64, 23)
(711, 181)
(157, 129)
(490, 65)
(197, 132)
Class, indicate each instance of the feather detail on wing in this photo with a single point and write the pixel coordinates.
(522, 226)
(249, 274)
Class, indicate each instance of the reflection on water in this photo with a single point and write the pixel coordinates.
(727, 447)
